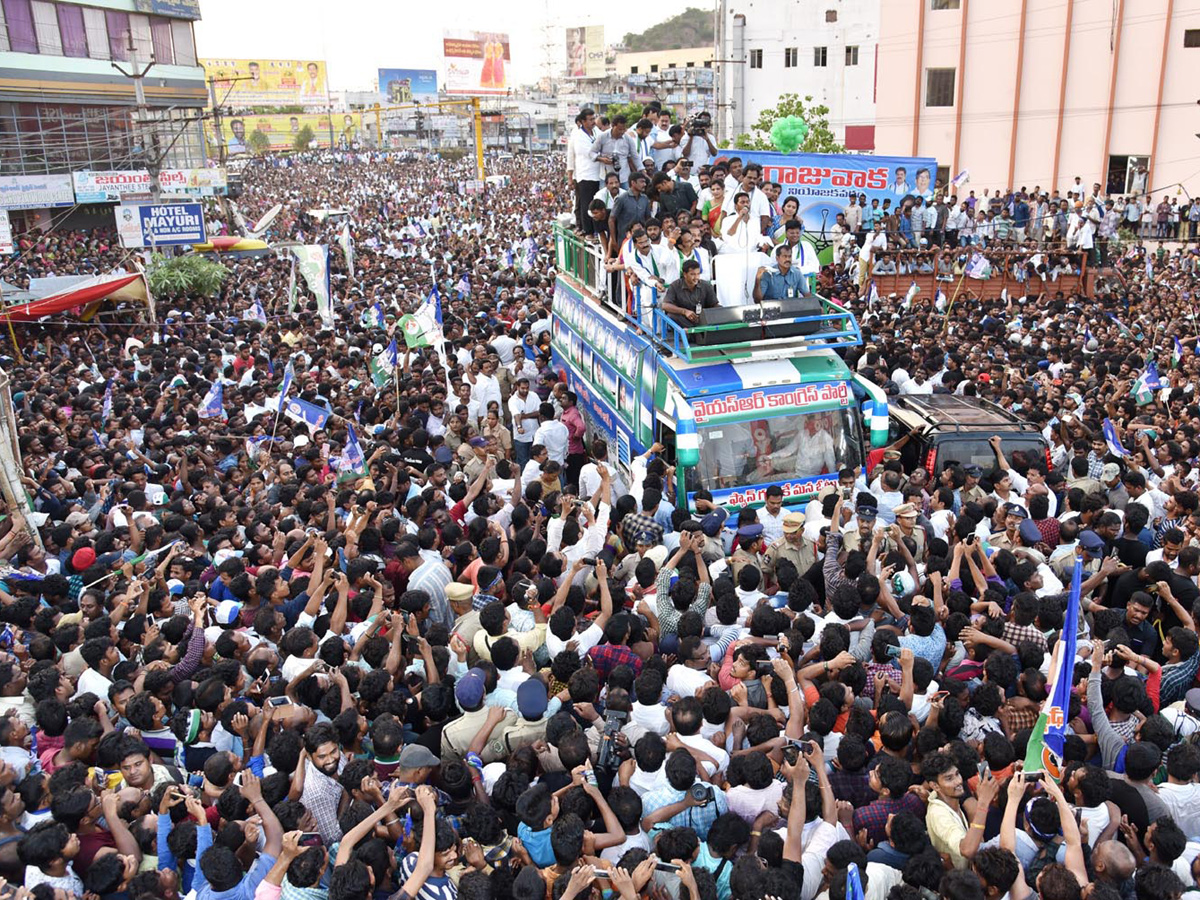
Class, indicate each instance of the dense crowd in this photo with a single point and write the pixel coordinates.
(490, 663)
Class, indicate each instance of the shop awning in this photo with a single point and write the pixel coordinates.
(118, 288)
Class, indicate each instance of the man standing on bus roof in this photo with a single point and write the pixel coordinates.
(628, 209)
(784, 284)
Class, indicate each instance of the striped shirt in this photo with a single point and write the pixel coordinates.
(433, 577)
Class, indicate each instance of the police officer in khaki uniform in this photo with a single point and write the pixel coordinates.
(906, 523)
(866, 516)
(792, 547)
(458, 734)
(1010, 537)
(748, 550)
(972, 492)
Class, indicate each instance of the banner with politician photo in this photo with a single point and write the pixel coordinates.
(242, 83)
(281, 131)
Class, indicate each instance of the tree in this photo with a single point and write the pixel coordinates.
(691, 28)
(820, 137)
(303, 138)
(190, 274)
(258, 142)
(631, 111)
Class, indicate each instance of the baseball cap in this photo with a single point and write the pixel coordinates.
(175, 586)
(470, 689)
(793, 522)
(82, 558)
(532, 699)
(1191, 700)
(1110, 471)
(227, 612)
(414, 756)
(1091, 542)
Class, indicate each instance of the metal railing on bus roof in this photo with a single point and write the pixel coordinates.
(584, 262)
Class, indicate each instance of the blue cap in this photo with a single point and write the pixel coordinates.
(750, 531)
(1015, 509)
(469, 689)
(1091, 542)
(712, 523)
(1029, 532)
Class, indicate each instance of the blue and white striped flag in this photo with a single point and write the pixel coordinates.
(1177, 354)
(1111, 439)
(107, 405)
(315, 417)
(289, 375)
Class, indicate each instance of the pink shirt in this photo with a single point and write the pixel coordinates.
(575, 429)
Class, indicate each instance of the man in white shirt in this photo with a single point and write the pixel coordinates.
(552, 434)
(585, 145)
(523, 409)
(485, 386)
(760, 206)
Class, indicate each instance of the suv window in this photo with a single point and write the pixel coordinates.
(976, 449)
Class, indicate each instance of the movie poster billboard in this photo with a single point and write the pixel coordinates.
(400, 86)
(585, 52)
(243, 83)
(823, 183)
(281, 130)
(477, 62)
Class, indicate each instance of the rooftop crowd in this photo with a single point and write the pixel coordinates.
(501, 665)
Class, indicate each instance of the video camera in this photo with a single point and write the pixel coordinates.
(606, 754)
(697, 124)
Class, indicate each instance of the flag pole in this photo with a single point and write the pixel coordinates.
(950, 305)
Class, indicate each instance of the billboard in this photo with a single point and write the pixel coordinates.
(400, 86)
(281, 130)
(585, 52)
(110, 187)
(822, 182)
(160, 224)
(35, 191)
(476, 62)
(268, 82)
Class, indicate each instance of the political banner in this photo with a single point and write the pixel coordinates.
(823, 183)
(36, 191)
(6, 238)
(312, 261)
(268, 82)
(113, 186)
(585, 52)
(281, 130)
(160, 224)
(400, 86)
(476, 62)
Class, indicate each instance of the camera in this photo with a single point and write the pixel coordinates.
(791, 751)
(894, 651)
(701, 793)
(697, 124)
(763, 667)
(606, 753)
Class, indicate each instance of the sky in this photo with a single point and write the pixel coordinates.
(357, 37)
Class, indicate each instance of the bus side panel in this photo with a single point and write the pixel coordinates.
(598, 412)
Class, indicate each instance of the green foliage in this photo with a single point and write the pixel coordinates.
(258, 142)
(631, 111)
(819, 139)
(189, 274)
(303, 138)
(691, 28)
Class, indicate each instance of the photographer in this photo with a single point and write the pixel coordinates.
(700, 144)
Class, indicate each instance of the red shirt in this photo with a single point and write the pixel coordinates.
(572, 418)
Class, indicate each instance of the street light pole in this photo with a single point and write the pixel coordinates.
(152, 161)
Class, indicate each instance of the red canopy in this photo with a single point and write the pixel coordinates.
(115, 287)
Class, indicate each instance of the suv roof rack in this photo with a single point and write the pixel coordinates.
(949, 412)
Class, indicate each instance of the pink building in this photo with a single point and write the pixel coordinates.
(1039, 92)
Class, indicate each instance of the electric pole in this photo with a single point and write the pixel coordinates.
(151, 159)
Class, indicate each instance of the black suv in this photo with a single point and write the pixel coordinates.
(950, 428)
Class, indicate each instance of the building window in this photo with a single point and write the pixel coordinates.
(633, 70)
(831, 15)
(691, 65)
(852, 55)
(1191, 37)
(670, 65)
(45, 24)
(21, 35)
(74, 35)
(820, 56)
(944, 4)
(791, 57)
(97, 33)
(756, 59)
(654, 67)
(160, 33)
(118, 33)
(183, 43)
(939, 87)
(143, 46)
(708, 64)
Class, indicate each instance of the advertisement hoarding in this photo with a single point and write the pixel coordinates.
(160, 224)
(400, 86)
(6, 238)
(585, 52)
(281, 130)
(36, 191)
(822, 183)
(476, 62)
(268, 82)
(110, 187)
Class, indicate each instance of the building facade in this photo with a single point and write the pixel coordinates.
(65, 108)
(825, 49)
(1039, 92)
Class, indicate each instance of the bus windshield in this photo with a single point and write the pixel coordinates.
(785, 448)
